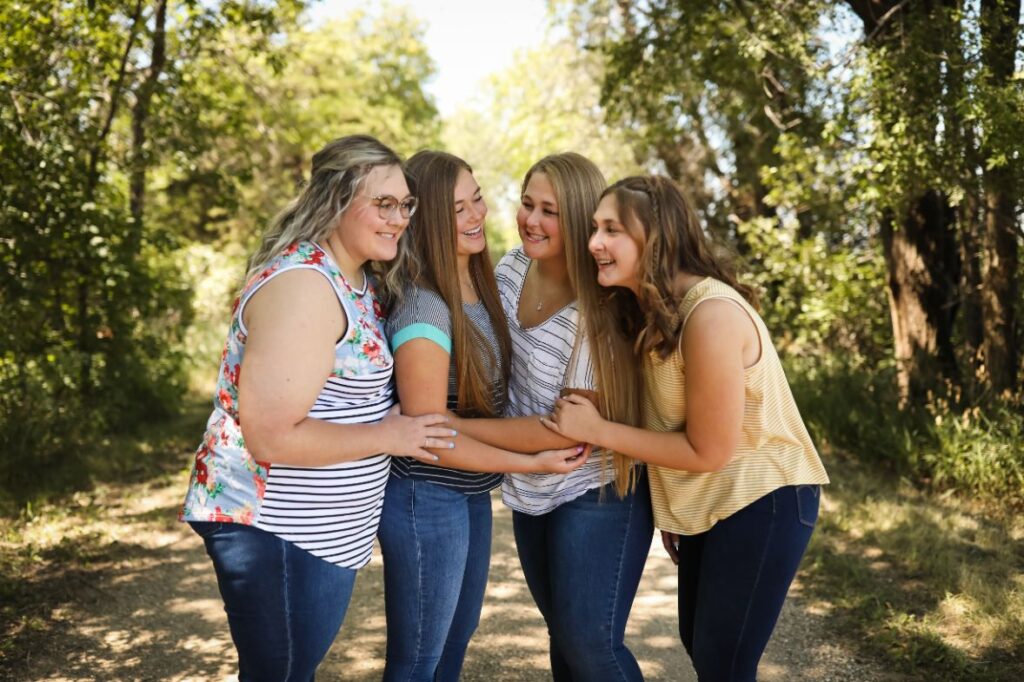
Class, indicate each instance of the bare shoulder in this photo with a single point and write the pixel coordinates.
(718, 324)
(299, 297)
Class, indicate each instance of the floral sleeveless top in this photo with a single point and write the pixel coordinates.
(228, 484)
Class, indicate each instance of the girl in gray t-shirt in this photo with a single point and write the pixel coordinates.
(451, 348)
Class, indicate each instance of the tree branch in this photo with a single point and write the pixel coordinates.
(25, 133)
(115, 96)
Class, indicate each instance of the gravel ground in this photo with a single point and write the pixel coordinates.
(150, 611)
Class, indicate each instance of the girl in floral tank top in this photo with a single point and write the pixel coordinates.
(229, 485)
(287, 485)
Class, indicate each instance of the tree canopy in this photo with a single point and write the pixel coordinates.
(862, 158)
(131, 131)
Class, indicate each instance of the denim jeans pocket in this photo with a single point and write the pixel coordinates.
(205, 529)
(808, 498)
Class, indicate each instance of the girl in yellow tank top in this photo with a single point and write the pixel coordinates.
(735, 480)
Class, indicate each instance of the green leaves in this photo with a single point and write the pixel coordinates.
(98, 300)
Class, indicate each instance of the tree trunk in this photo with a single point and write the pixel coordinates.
(97, 151)
(999, 281)
(969, 217)
(1000, 27)
(140, 116)
(923, 263)
(964, 152)
(86, 332)
(922, 253)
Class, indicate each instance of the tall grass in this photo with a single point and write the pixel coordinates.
(976, 451)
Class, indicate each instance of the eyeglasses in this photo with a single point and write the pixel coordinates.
(387, 205)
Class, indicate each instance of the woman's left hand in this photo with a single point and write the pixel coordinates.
(670, 541)
(575, 417)
(561, 461)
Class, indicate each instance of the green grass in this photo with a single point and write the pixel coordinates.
(932, 585)
(974, 451)
(92, 461)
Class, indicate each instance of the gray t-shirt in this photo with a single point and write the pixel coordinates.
(423, 314)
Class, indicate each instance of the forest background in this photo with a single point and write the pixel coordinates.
(864, 160)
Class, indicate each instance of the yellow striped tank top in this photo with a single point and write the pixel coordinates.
(774, 449)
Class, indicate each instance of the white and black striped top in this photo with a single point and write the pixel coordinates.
(540, 357)
(424, 314)
(333, 511)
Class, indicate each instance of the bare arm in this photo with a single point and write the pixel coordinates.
(526, 434)
(293, 323)
(422, 376)
(718, 342)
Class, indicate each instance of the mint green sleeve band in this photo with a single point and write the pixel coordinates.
(421, 330)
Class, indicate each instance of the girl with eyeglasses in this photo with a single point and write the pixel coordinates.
(452, 348)
(287, 485)
(582, 537)
(735, 480)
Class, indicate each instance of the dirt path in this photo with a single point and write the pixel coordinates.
(137, 600)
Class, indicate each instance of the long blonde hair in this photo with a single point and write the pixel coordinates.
(663, 222)
(339, 169)
(578, 186)
(433, 176)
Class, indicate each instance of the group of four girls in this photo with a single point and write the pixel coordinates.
(609, 375)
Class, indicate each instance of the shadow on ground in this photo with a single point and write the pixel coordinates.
(129, 594)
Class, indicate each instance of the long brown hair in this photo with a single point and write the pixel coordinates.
(578, 186)
(663, 222)
(339, 169)
(433, 176)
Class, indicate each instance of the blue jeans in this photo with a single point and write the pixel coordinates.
(583, 561)
(284, 605)
(436, 544)
(733, 581)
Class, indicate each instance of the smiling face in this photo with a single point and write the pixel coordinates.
(538, 220)
(613, 247)
(470, 213)
(363, 233)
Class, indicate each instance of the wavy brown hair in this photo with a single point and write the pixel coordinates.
(663, 222)
(432, 176)
(578, 186)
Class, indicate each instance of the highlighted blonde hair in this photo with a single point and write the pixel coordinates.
(338, 172)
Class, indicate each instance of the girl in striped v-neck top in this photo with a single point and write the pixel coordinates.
(582, 537)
